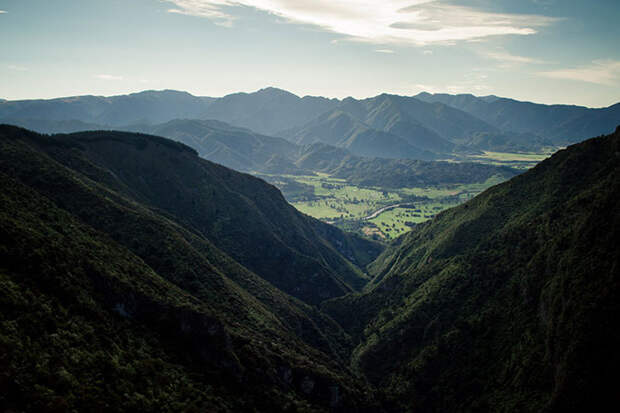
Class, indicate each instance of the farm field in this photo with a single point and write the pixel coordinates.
(386, 213)
(397, 221)
(352, 207)
(513, 160)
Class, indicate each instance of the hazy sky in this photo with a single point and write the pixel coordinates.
(549, 51)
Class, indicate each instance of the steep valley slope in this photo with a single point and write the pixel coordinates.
(136, 276)
(508, 302)
(120, 290)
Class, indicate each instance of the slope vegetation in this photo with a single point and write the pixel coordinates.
(505, 303)
(113, 299)
(242, 215)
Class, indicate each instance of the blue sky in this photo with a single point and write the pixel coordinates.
(548, 51)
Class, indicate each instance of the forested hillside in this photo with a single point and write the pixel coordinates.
(138, 277)
(116, 298)
(505, 303)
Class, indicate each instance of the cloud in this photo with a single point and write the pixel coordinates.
(386, 51)
(210, 9)
(17, 68)
(421, 87)
(109, 77)
(602, 72)
(476, 89)
(3, 11)
(508, 60)
(417, 22)
(427, 52)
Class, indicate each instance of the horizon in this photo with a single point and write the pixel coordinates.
(542, 51)
(300, 96)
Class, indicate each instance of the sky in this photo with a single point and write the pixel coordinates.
(546, 51)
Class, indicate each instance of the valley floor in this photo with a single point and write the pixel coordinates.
(381, 213)
(386, 212)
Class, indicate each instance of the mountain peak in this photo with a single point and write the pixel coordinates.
(163, 92)
(270, 90)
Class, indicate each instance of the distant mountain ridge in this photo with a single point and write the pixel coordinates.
(268, 110)
(421, 127)
(342, 130)
(148, 106)
(234, 147)
(561, 124)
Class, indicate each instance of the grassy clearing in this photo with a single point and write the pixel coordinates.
(397, 221)
(346, 203)
(333, 198)
(507, 156)
(513, 160)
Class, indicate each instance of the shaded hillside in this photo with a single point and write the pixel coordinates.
(505, 303)
(322, 157)
(395, 173)
(146, 107)
(506, 142)
(242, 215)
(593, 122)
(408, 173)
(234, 147)
(342, 130)
(54, 126)
(433, 127)
(562, 124)
(244, 150)
(109, 303)
(426, 128)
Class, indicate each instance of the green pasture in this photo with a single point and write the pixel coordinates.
(345, 205)
(513, 160)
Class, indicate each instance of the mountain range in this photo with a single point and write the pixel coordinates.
(420, 127)
(147, 106)
(244, 150)
(137, 276)
(560, 124)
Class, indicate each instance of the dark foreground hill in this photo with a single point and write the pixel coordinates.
(132, 280)
(508, 302)
(242, 215)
